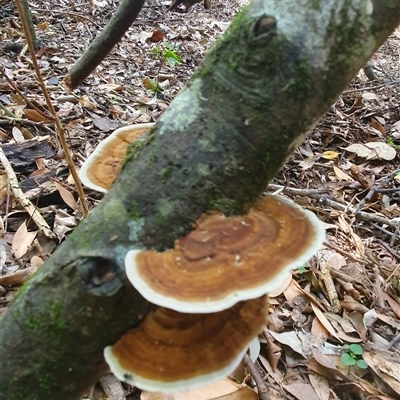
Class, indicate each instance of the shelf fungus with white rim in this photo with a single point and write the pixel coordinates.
(211, 291)
(100, 169)
(172, 351)
(225, 260)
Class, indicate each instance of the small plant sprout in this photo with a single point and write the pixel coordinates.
(166, 54)
(353, 356)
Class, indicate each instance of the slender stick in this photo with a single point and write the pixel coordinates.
(60, 130)
(262, 388)
(23, 200)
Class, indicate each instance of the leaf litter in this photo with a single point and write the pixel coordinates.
(347, 172)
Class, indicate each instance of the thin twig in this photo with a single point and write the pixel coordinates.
(393, 341)
(60, 130)
(27, 101)
(23, 200)
(372, 87)
(262, 388)
(318, 195)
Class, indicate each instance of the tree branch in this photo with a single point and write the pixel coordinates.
(264, 84)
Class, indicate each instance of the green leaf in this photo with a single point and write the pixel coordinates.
(171, 58)
(347, 359)
(356, 349)
(362, 364)
(154, 51)
(302, 270)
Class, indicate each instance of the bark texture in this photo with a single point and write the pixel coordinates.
(260, 89)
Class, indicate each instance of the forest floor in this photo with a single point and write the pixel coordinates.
(334, 328)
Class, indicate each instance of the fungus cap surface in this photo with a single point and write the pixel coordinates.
(171, 351)
(225, 260)
(101, 168)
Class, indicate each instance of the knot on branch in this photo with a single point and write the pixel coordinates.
(100, 275)
(264, 27)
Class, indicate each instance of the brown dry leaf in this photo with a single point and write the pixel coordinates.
(292, 291)
(308, 163)
(349, 304)
(86, 103)
(320, 386)
(274, 353)
(341, 175)
(357, 319)
(359, 245)
(344, 324)
(299, 342)
(66, 195)
(326, 365)
(221, 390)
(388, 371)
(301, 391)
(389, 320)
(22, 240)
(393, 305)
(378, 126)
(17, 277)
(36, 261)
(4, 191)
(110, 86)
(35, 116)
(327, 325)
(319, 332)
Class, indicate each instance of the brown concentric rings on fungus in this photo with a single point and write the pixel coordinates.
(225, 260)
(101, 168)
(171, 352)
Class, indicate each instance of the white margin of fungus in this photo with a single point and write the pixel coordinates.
(99, 148)
(231, 299)
(172, 386)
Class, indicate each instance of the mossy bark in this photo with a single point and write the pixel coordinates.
(261, 88)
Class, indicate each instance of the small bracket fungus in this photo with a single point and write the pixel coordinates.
(101, 168)
(171, 352)
(225, 260)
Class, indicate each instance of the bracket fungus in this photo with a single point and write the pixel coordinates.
(101, 168)
(225, 260)
(171, 351)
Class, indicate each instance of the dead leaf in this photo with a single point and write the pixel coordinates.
(381, 151)
(35, 116)
(301, 391)
(17, 135)
(373, 151)
(111, 86)
(393, 305)
(66, 195)
(327, 325)
(297, 341)
(388, 371)
(86, 103)
(221, 390)
(329, 154)
(17, 277)
(22, 240)
(378, 126)
(342, 175)
(320, 386)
